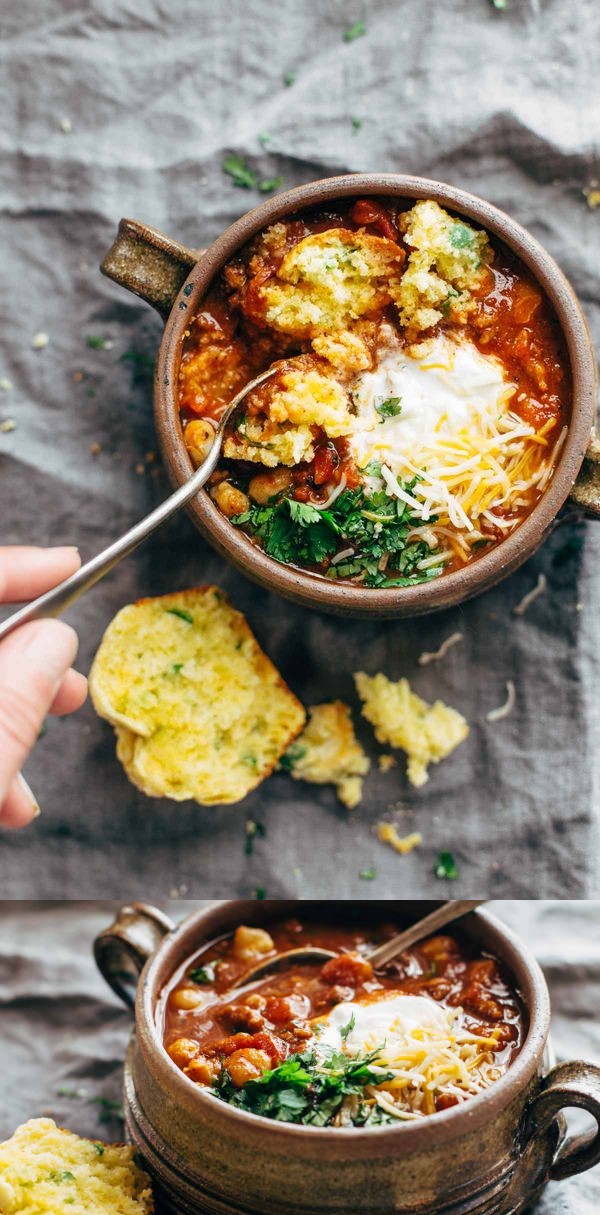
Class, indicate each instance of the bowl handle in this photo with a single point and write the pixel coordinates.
(585, 493)
(568, 1085)
(150, 264)
(122, 950)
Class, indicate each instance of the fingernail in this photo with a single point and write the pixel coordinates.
(35, 807)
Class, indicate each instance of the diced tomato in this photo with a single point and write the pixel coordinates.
(371, 214)
(324, 464)
(347, 968)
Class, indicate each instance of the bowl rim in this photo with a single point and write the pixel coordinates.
(445, 1126)
(330, 594)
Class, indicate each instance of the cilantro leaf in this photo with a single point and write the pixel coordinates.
(355, 31)
(203, 974)
(446, 867)
(346, 1030)
(389, 408)
(239, 172)
(181, 613)
(269, 184)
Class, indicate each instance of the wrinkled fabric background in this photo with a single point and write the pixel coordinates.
(504, 103)
(62, 1029)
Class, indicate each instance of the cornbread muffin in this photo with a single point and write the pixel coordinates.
(329, 753)
(199, 710)
(329, 279)
(443, 269)
(427, 733)
(48, 1171)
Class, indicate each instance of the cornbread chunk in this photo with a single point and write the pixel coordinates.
(48, 1171)
(278, 427)
(346, 351)
(445, 266)
(427, 733)
(387, 833)
(329, 279)
(199, 710)
(329, 753)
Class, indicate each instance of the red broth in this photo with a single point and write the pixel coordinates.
(222, 1038)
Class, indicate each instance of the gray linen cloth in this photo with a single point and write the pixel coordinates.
(63, 1034)
(112, 108)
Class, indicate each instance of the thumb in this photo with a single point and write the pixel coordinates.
(33, 661)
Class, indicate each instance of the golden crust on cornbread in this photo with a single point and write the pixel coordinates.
(326, 281)
(201, 713)
(48, 1171)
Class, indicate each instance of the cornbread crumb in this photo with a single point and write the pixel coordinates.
(328, 752)
(48, 1171)
(199, 710)
(444, 267)
(427, 733)
(387, 833)
(386, 763)
(39, 341)
(329, 279)
(345, 351)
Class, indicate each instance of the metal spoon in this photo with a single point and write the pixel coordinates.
(445, 914)
(60, 597)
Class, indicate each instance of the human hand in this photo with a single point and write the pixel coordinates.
(35, 671)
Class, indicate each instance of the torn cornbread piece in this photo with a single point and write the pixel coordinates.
(48, 1171)
(427, 733)
(200, 710)
(444, 267)
(329, 753)
(329, 279)
(280, 416)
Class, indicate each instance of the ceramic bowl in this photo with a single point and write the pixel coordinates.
(175, 279)
(491, 1155)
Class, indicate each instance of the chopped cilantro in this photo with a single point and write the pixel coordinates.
(177, 667)
(99, 1148)
(269, 184)
(390, 408)
(346, 1030)
(260, 892)
(202, 974)
(239, 172)
(98, 343)
(499, 4)
(355, 31)
(250, 761)
(289, 79)
(368, 874)
(73, 1093)
(253, 831)
(446, 866)
(264, 139)
(356, 124)
(292, 756)
(461, 237)
(310, 1088)
(111, 1111)
(373, 526)
(181, 613)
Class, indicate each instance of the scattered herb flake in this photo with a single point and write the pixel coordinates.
(289, 79)
(203, 974)
(446, 867)
(98, 343)
(368, 875)
(356, 124)
(270, 184)
(181, 613)
(110, 1110)
(239, 172)
(500, 5)
(177, 667)
(264, 139)
(355, 31)
(390, 408)
(260, 892)
(346, 1030)
(254, 831)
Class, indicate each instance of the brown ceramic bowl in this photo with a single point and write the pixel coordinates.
(491, 1155)
(175, 279)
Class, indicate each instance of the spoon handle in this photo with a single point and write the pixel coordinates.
(60, 597)
(423, 928)
(55, 601)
